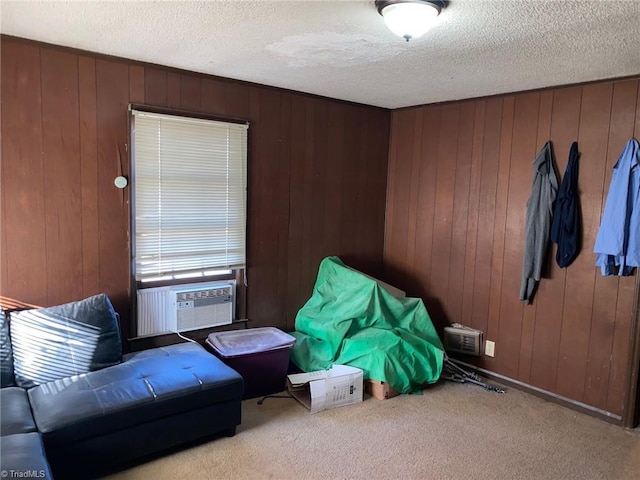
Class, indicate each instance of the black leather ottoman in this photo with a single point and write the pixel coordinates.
(152, 401)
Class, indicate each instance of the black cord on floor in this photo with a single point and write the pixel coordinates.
(261, 401)
(454, 373)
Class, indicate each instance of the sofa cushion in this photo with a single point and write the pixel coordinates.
(65, 340)
(15, 412)
(6, 354)
(149, 385)
(22, 455)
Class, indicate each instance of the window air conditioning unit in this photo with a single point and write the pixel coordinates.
(180, 308)
(461, 339)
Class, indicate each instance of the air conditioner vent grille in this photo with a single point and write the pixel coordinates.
(202, 294)
(462, 340)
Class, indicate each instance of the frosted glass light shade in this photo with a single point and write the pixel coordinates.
(409, 20)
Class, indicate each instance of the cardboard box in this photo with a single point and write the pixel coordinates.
(339, 386)
(380, 390)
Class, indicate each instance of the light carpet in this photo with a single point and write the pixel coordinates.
(452, 431)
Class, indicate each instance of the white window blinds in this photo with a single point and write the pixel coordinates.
(189, 180)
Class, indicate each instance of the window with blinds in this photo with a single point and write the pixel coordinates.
(189, 195)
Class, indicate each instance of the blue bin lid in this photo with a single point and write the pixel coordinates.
(235, 343)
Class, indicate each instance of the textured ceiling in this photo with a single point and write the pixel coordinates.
(342, 49)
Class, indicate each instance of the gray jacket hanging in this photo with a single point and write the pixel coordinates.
(538, 224)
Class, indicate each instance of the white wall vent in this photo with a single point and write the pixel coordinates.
(185, 307)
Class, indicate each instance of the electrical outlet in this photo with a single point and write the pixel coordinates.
(489, 348)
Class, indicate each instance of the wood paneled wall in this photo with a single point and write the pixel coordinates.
(459, 178)
(317, 173)
(458, 181)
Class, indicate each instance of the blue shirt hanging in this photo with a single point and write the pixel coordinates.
(618, 240)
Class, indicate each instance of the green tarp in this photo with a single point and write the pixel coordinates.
(351, 319)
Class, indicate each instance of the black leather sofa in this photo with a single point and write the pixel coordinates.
(94, 423)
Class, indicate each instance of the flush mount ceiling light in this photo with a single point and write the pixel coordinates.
(409, 18)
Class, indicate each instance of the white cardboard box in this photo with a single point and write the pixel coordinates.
(324, 389)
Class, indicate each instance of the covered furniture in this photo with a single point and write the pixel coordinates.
(353, 319)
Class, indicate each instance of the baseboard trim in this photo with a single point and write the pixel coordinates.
(545, 394)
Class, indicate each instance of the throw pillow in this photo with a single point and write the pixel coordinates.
(65, 340)
(6, 355)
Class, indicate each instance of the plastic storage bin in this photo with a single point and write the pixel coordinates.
(260, 355)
